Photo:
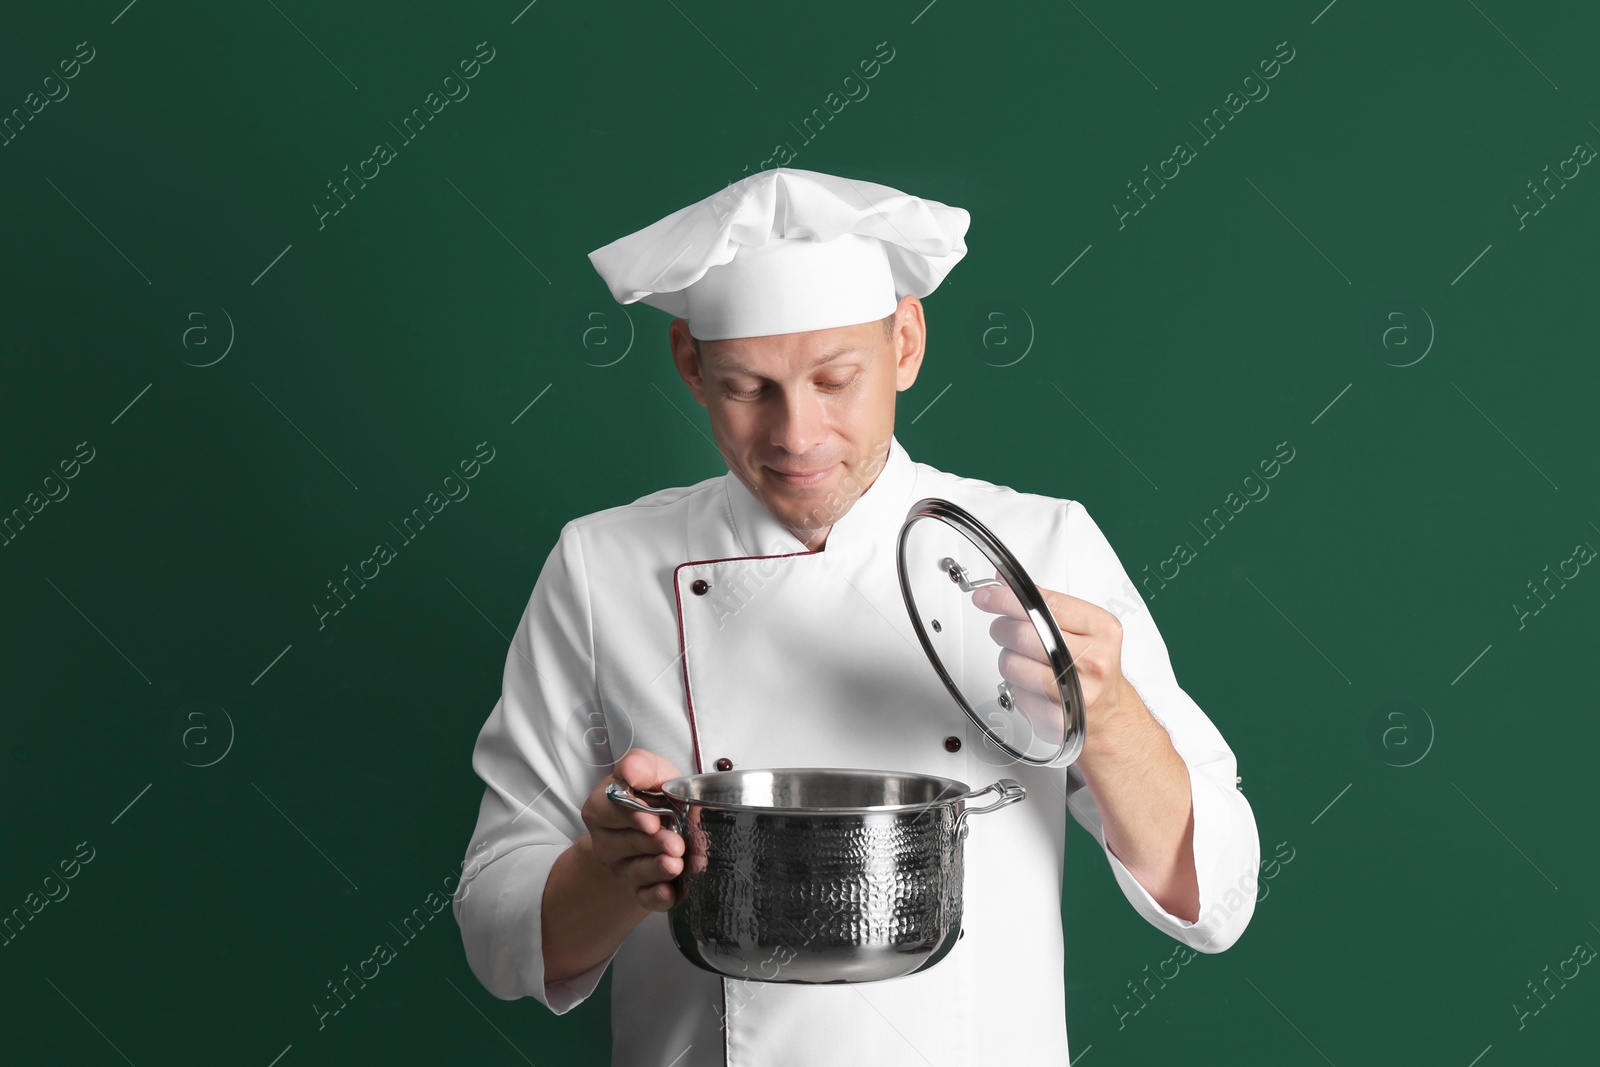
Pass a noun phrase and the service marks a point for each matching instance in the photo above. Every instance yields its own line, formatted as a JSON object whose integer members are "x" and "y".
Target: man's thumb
{"x": 643, "y": 769}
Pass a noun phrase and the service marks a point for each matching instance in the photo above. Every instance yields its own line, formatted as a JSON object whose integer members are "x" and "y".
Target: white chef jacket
{"x": 793, "y": 658}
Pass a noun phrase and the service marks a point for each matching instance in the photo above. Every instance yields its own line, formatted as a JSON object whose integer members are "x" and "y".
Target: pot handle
{"x": 621, "y": 795}
{"x": 1011, "y": 791}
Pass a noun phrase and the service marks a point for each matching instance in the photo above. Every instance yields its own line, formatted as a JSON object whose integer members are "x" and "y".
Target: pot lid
{"x": 946, "y": 558}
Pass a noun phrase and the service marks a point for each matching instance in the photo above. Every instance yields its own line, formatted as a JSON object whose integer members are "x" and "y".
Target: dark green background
{"x": 379, "y": 350}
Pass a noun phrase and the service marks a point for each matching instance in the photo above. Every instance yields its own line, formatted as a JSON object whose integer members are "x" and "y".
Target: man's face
{"x": 804, "y": 419}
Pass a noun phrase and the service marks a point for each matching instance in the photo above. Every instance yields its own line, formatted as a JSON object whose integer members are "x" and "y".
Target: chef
{"x": 754, "y": 619}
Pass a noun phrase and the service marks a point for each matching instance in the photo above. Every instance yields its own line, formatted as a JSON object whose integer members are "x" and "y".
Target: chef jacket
{"x": 693, "y": 624}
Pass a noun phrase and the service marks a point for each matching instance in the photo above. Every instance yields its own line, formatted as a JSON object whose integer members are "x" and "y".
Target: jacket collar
{"x": 873, "y": 521}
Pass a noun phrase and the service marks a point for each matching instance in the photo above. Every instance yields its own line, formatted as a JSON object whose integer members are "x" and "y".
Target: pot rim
{"x": 952, "y": 790}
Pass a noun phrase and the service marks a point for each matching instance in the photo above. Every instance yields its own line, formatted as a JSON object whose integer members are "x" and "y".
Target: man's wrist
{"x": 1121, "y": 739}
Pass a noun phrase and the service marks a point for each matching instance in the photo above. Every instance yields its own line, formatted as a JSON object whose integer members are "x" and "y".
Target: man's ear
{"x": 686, "y": 359}
{"x": 909, "y": 342}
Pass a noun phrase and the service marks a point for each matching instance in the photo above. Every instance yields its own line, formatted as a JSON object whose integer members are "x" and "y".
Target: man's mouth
{"x": 801, "y": 478}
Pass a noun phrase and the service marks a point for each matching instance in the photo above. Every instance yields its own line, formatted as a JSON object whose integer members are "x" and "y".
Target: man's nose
{"x": 799, "y": 423}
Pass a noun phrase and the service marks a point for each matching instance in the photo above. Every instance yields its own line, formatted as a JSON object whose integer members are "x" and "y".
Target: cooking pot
{"x": 821, "y": 875}
{"x": 813, "y": 875}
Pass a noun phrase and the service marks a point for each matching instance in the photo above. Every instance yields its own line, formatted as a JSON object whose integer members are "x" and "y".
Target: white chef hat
{"x": 784, "y": 251}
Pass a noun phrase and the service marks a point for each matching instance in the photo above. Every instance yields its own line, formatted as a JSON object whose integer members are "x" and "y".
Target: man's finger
{"x": 640, "y": 768}
{"x": 649, "y": 870}
{"x": 1019, "y": 636}
{"x": 999, "y": 599}
{"x": 1072, "y": 615}
{"x": 652, "y": 872}
{"x": 1028, "y": 675}
{"x": 631, "y": 841}
{"x": 657, "y": 897}
{"x": 600, "y": 810}
{"x": 1049, "y": 722}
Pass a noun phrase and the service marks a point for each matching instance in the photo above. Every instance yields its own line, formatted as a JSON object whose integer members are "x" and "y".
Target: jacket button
{"x": 724, "y": 764}
{"x": 699, "y": 587}
{"x": 952, "y": 743}
{"x": 961, "y": 935}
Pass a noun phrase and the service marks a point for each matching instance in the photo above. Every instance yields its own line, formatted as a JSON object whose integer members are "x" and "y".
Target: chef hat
{"x": 786, "y": 250}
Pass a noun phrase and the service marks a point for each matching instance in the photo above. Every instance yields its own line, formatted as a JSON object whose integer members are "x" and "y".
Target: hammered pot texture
{"x": 820, "y": 881}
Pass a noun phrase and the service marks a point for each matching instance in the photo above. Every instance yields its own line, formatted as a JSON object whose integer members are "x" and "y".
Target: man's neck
{"x": 815, "y": 540}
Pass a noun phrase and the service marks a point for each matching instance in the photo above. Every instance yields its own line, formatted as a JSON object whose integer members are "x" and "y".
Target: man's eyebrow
{"x": 829, "y": 357}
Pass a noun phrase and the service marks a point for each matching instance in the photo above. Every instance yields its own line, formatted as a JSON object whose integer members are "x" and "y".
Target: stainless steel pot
{"x": 813, "y": 875}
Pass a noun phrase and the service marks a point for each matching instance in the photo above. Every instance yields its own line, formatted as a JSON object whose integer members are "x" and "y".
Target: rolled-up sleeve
{"x": 1227, "y": 847}
{"x": 540, "y": 753}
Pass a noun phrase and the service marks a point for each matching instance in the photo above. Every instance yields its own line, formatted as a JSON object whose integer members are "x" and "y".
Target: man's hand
{"x": 1094, "y": 638}
{"x": 642, "y": 853}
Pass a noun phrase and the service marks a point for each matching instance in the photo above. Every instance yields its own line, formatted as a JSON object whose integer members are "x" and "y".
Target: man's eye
{"x": 751, "y": 394}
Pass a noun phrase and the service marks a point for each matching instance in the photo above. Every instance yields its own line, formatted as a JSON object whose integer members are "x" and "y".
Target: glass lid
{"x": 989, "y": 633}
